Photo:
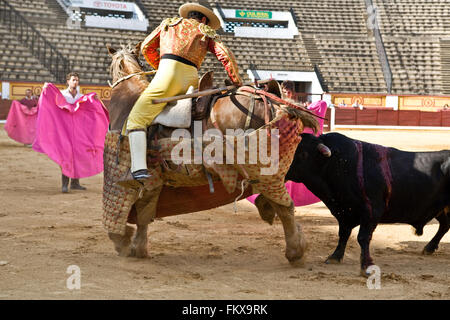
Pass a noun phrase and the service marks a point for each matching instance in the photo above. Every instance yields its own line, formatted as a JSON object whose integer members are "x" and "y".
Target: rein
{"x": 275, "y": 98}
{"x": 145, "y": 73}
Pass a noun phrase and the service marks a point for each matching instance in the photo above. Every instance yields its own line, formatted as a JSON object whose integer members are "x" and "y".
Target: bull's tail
{"x": 445, "y": 167}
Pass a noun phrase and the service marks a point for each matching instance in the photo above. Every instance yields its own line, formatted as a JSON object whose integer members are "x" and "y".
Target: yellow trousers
{"x": 173, "y": 78}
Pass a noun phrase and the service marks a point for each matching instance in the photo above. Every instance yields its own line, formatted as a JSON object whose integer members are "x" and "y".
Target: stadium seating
{"x": 413, "y": 17}
{"x": 16, "y": 61}
{"x": 38, "y": 11}
{"x": 411, "y": 32}
{"x": 85, "y": 47}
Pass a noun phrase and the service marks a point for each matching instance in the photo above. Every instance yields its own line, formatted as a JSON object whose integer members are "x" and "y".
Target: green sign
{"x": 251, "y": 14}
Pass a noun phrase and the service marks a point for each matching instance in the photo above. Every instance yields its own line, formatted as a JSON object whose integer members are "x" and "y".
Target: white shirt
{"x": 69, "y": 98}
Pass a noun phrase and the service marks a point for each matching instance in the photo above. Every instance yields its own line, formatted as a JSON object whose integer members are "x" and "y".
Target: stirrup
{"x": 141, "y": 174}
{"x": 129, "y": 182}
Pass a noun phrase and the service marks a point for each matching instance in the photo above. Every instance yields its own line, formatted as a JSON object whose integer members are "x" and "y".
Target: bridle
{"x": 145, "y": 73}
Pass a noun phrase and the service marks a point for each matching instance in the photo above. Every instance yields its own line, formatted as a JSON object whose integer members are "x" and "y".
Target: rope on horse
{"x": 244, "y": 185}
{"x": 145, "y": 73}
{"x": 273, "y": 97}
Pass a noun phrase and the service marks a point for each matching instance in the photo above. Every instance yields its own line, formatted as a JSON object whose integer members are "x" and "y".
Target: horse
{"x": 129, "y": 81}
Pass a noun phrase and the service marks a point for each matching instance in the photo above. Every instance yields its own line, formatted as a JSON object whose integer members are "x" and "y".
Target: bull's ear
{"x": 324, "y": 150}
{"x": 111, "y": 50}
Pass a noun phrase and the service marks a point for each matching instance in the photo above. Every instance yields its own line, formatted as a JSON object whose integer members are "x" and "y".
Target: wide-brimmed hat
{"x": 214, "y": 21}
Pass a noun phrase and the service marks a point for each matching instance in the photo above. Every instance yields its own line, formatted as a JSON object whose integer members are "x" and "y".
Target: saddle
{"x": 180, "y": 114}
{"x": 176, "y": 114}
{"x": 183, "y": 112}
{"x": 202, "y": 106}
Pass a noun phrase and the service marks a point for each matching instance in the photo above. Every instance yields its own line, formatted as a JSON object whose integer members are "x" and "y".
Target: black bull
{"x": 366, "y": 184}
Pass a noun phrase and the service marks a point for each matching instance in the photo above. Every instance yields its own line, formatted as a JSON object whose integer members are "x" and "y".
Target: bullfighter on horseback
{"x": 183, "y": 43}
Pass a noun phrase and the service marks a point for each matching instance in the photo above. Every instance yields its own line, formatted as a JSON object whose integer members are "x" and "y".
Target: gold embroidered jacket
{"x": 191, "y": 40}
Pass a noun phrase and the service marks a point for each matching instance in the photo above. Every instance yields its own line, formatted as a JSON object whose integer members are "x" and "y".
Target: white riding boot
{"x": 138, "y": 151}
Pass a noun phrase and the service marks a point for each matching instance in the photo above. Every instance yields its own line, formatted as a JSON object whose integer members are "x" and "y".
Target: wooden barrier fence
{"x": 389, "y": 117}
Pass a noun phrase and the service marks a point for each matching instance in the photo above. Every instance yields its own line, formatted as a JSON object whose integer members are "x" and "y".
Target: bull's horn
{"x": 324, "y": 150}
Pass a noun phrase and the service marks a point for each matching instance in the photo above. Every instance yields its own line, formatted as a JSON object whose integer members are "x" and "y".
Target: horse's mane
{"x": 123, "y": 56}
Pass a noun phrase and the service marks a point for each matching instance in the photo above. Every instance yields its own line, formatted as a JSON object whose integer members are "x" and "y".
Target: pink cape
{"x": 72, "y": 135}
{"x": 298, "y": 192}
{"x": 21, "y": 123}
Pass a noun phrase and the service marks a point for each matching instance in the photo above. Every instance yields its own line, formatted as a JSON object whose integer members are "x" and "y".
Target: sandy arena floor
{"x": 214, "y": 254}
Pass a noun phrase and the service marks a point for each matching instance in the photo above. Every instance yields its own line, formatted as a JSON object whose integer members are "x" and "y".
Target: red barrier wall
{"x": 389, "y": 117}
{"x": 351, "y": 116}
{"x": 4, "y": 108}
{"x": 446, "y": 118}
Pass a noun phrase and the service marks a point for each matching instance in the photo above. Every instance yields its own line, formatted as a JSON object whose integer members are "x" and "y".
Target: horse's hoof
{"x": 428, "y": 251}
{"x": 132, "y": 252}
{"x": 365, "y": 273}
{"x": 296, "y": 254}
{"x": 293, "y": 254}
{"x": 141, "y": 253}
{"x": 430, "y": 248}
{"x": 298, "y": 262}
{"x": 126, "y": 252}
{"x": 123, "y": 254}
{"x": 296, "y": 247}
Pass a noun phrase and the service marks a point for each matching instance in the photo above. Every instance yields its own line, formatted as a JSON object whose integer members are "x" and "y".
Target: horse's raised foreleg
{"x": 122, "y": 243}
{"x": 295, "y": 239}
{"x": 265, "y": 209}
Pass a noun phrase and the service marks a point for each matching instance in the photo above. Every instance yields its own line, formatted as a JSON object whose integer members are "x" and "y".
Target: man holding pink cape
{"x": 71, "y": 130}
{"x": 21, "y": 121}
